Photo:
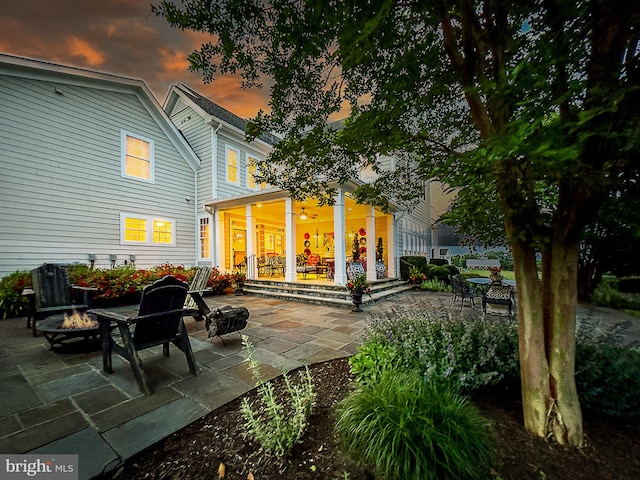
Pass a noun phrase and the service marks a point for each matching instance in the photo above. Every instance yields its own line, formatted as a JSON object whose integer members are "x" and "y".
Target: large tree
{"x": 528, "y": 105}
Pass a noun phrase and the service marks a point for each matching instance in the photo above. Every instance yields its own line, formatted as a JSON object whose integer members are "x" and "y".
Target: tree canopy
{"x": 529, "y": 106}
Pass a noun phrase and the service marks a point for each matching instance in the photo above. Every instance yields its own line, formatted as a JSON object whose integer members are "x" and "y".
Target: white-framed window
{"x": 204, "y": 233}
{"x": 232, "y": 164}
{"x": 137, "y": 157}
{"x": 147, "y": 230}
{"x": 252, "y": 171}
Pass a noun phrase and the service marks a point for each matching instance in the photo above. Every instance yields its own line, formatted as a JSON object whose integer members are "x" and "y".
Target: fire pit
{"x": 59, "y": 328}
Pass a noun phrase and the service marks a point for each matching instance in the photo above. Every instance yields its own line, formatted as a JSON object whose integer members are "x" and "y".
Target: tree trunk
{"x": 534, "y": 372}
{"x": 546, "y": 328}
{"x": 565, "y": 416}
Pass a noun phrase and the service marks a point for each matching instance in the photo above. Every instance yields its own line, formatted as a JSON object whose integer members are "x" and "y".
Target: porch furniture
{"x": 52, "y": 294}
{"x": 278, "y": 265}
{"x": 264, "y": 265}
{"x": 498, "y": 293}
{"x": 158, "y": 322}
{"x": 306, "y": 264}
{"x": 331, "y": 268}
{"x": 226, "y": 320}
{"x": 195, "y": 303}
{"x": 460, "y": 288}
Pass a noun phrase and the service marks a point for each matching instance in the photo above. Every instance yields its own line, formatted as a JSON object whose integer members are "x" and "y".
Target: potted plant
{"x": 416, "y": 277}
{"x": 381, "y": 270}
{"x": 494, "y": 274}
{"x": 239, "y": 279}
{"x": 358, "y": 286}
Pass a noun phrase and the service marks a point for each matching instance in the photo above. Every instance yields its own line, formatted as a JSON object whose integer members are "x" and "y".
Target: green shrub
{"x": 608, "y": 379}
{"x": 435, "y": 286}
{"x": 407, "y": 262}
{"x": 12, "y": 303}
{"x": 607, "y": 295}
{"x": 438, "y": 262}
{"x": 629, "y": 284}
{"x": 278, "y": 423}
{"x": 408, "y": 429}
{"x": 371, "y": 360}
{"x": 435, "y": 272}
{"x": 468, "y": 354}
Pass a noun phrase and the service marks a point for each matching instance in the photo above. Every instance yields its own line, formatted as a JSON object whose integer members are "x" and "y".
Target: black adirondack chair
{"x": 158, "y": 322}
{"x": 53, "y": 295}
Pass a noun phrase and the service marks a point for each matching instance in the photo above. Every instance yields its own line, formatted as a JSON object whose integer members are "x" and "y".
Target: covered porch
{"x": 268, "y": 235}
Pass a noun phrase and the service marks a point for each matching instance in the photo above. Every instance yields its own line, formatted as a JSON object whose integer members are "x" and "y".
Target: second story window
{"x": 232, "y": 165}
{"x": 252, "y": 171}
{"x": 137, "y": 157}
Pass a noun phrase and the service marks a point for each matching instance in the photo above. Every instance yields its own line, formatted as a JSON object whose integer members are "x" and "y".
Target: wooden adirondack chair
{"x": 158, "y": 322}
{"x": 195, "y": 303}
{"x": 53, "y": 295}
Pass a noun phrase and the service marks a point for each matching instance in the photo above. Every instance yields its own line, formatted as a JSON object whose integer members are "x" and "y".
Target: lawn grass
{"x": 507, "y": 274}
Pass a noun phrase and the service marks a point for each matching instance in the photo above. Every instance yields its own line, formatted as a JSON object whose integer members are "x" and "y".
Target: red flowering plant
{"x": 495, "y": 270}
{"x": 359, "y": 285}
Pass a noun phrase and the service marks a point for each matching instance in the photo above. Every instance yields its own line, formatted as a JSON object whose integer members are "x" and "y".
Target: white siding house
{"x": 91, "y": 168}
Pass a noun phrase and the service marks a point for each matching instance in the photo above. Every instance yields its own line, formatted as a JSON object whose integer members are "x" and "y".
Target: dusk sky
{"x": 120, "y": 37}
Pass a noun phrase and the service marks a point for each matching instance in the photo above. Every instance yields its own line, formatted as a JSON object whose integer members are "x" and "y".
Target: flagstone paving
{"x": 63, "y": 403}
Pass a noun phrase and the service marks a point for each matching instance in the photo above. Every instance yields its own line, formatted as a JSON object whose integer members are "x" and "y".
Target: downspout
{"x": 214, "y": 160}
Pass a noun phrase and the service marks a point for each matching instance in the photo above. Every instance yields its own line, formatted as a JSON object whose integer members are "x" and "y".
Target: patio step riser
{"x": 321, "y": 294}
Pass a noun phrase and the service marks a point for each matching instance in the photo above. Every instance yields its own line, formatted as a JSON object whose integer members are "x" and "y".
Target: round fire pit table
{"x": 51, "y": 328}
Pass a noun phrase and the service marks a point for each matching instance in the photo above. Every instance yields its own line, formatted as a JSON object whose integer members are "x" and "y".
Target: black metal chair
{"x": 460, "y": 288}
{"x": 53, "y": 295}
{"x": 158, "y": 322}
{"x": 498, "y": 293}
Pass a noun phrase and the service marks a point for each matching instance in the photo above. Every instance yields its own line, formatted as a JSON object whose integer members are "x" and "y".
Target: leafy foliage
{"x": 12, "y": 303}
{"x": 466, "y": 354}
{"x": 608, "y": 379}
{"x": 278, "y": 423}
{"x": 408, "y": 429}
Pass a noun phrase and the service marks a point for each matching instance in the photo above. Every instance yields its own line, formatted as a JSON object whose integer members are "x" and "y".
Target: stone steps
{"x": 322, "y": 294}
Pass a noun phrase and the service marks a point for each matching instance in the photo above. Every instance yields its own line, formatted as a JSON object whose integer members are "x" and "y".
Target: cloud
{"x": 80, "y": 48}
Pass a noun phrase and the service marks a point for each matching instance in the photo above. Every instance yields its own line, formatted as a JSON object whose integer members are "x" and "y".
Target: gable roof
{"x": 218, "y": 112}
{"x": 23, "y": 67}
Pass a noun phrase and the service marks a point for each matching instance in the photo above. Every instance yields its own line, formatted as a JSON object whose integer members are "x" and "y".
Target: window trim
{"x": 227, "y": 148}
{"x": 150, "y": 219}
{"x": 209, "y": 222}
{"x": 123, "y": 156}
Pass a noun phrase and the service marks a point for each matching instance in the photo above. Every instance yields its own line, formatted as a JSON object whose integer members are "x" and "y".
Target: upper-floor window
{"x": 137, "y": 157}
{"x": 233, "y": 158}
{"x": 143, "y": 229}
{"x": 252, "y": 171}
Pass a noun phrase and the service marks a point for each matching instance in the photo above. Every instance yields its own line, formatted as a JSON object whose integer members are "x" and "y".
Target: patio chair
{"x": 461, "y": 289}
{"x": 158, "y": 322}
{"x": 498, "y": 293}
{"x": 53, "y": 295}
{"x": 306, "y": 265}
{"x": 194, "y": 303}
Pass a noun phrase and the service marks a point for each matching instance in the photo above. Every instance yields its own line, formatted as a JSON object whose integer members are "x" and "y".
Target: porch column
{"x": 340, "y": 274}
{"x": 218, "y": 232}
{"x": 371, "y": 243}
{"x": 251, "y": 249}
{"x": 290, "y": 242}
{"x": 392, "y": 246}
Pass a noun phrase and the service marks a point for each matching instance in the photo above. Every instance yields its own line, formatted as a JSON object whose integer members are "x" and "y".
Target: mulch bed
{"x": 198, "y": 450}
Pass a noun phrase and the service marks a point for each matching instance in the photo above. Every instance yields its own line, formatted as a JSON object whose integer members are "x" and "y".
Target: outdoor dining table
{"x": 485, "y": 281}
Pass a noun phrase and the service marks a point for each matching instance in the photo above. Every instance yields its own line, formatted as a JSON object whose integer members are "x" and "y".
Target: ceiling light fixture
{"x": 303, "y": 216}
